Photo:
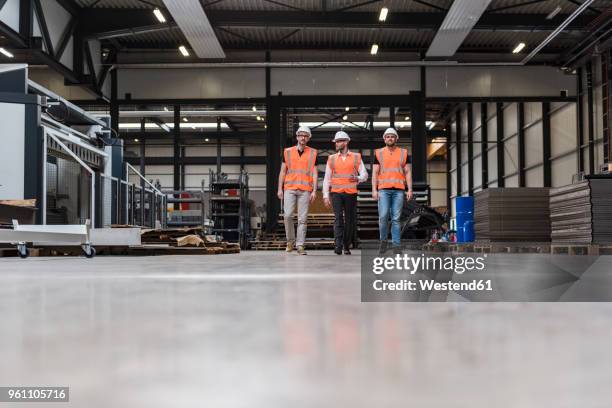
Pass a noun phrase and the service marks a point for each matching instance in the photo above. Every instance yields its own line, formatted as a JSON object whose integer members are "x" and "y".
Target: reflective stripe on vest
{"x": 340, "y": 182}
{"x": 299, "y": 171}
{"x": 391, "y": 176}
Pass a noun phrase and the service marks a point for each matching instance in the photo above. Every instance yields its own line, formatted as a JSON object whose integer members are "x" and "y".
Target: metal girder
{"x": 44, "y": 30}
{"x": 106, "y": 21}
{"x": 191, "y": 160}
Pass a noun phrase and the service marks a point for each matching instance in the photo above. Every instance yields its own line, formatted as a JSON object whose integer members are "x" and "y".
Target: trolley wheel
{"x": 89, "y": 251}
{"x": 23, "y": 251}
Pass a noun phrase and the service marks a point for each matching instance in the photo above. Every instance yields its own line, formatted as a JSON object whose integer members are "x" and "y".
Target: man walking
{"x": 391, "y": 176}
{"x": 343, "y": 172}
{"x": 297, "y": 184}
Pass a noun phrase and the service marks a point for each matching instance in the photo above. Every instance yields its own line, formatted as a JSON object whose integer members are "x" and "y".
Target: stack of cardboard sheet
{"x": 512, "y": 214}
{"x": 570, "y": 213}
{"x": 582, "y": 212}
{"x": 601, "y": 208}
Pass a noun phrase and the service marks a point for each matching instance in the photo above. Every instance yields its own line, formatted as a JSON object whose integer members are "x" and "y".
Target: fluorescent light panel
{"x": 6, "y": 53}
{"x": 193, "y": 22}
{"x": 374, "y": 49}
{"x": 207, "y": 125}
{"x": 383, "y": 14}
{"x": 160, "y": 16}
{"x": 184, "y": 51}
{"x": 553, "y": 13}
{"x": 518, "y": 48}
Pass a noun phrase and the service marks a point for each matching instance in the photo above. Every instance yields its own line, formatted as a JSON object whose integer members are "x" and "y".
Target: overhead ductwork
{"x": 193, "y": 22}
{"x": 459, "y": 21}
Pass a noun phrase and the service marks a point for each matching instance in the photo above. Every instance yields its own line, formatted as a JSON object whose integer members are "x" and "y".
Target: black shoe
{"x": 382, "y": 248}
{"x": 347, "y": 251}
{"x": 338, "y": 251}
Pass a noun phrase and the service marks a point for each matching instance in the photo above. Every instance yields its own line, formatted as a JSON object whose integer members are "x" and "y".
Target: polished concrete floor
{"x": 267, "y": 329}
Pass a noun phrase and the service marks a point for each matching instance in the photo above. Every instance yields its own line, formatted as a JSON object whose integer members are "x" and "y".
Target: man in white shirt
{"x": 343, "y": 172}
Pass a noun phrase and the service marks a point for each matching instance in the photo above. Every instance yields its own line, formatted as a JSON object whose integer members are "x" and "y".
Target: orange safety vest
{"x": 299, "y": 168}
{"x": 392, "y": 164}
{"x": 342, "y": 171}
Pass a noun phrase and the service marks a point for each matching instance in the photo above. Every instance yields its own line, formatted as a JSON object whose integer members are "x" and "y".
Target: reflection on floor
{"x": 269, "y": 329}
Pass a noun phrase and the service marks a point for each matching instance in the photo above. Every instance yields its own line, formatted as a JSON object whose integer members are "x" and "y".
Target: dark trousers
{"x": 345, "y": 212}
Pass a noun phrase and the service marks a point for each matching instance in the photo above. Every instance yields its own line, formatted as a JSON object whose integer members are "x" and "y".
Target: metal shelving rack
{"x": 187, "y": 218}
{"x": 230, "y": 215}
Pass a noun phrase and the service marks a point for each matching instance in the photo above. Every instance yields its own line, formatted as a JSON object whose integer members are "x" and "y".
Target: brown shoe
{"x": 301, "y": 250}
{"x": 290, "y": 247}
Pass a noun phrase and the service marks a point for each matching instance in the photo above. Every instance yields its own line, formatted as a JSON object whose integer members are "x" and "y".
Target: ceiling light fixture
{"x": 6, "y": 53}
{"x": 383, "y": 14}
{"x": 347, "y": 109}
{"x": 553, "y": 13}
{"x": 374, "y": 49}
{"x": 254, "y": 108}
{"x": 185, "y": 120}
{"x": 159, "y": 15}
{"x": 207, "y": 139}
{"x": 184, "y": 51}
{"x": 518, "y": 48}
{"x": 136, "y": 140}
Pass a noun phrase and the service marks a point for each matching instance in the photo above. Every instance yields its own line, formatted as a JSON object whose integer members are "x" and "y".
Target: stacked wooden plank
{"x": 570, "y": 213}
{"x": 512, "y": 214}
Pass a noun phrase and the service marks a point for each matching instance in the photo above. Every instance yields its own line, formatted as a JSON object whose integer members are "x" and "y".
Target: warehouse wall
{"x": 249, "y": 82}
{"x": 563, "y": 146}
{"x": 596, "y": 85}
{"x": 498, "y": 81}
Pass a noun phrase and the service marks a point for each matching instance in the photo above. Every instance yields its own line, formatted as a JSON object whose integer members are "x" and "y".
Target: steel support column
{"x": 520, "y": 126}
{"x": 448, "y": 168}
{"x": 419, "y": 139}
{"x": 273, "y": 163}
{"x": 458, "y": 150}
{"x": 470, "y": 149}
{"x": 142, "y": 171}
{"x": 176, "y": 167}
{"x": 580, "y": 119}
{"x": 501, "y": 182}
{"x": 114, "y": 105}
{"x": 546, "y": 140}
{"x": 590, "y": 118}
{"x": 484, "y": 139}
{"x": 218, "y": 145}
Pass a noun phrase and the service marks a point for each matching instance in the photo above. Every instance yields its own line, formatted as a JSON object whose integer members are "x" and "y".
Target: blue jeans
{"x": 390, "y": 202}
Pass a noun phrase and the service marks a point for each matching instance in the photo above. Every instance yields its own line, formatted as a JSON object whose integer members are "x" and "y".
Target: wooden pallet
{"x": 581, "y": 249}
{"x": 281, "y": 245}
{"x": 144, "y": 250}
{"x": 490, "y": 247}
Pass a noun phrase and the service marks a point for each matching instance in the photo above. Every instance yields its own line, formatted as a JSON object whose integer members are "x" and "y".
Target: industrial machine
{"x": 61, "y": 156}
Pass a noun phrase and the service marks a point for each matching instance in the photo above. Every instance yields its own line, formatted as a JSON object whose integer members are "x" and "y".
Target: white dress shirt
{"x": 363, "y": 175}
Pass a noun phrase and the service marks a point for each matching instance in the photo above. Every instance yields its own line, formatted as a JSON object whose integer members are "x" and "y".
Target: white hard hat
{"x": 304, "y": 129}
{"x": 341, "y": 135}
{"x": 391, "y": 131}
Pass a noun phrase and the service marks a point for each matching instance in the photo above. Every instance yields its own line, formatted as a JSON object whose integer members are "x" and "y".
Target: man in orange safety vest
{"x": 391, "y": 182}
{"x": 344, "y": 171}
{"x": 297, "y": 185}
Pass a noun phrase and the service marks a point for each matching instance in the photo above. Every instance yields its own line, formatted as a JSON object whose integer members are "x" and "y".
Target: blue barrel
{"x": 465, "y": 215}
{"x": 468, "y": 231}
